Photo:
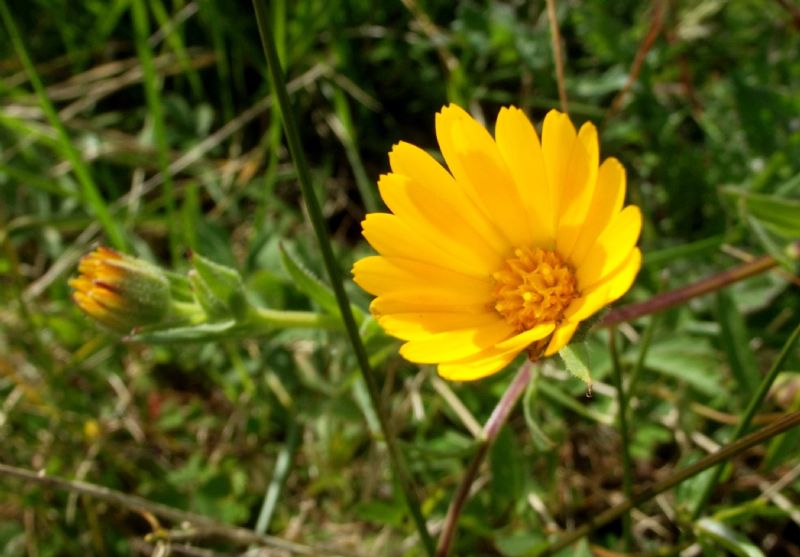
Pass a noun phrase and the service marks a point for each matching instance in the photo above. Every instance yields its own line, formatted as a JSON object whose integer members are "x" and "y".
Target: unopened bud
{"x": 120, "y": 291}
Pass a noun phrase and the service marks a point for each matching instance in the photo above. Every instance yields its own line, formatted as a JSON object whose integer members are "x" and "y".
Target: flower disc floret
{"x": 533, "y": 287}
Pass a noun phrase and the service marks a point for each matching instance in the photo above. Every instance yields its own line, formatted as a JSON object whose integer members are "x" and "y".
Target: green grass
{"x": 143, "y": 125}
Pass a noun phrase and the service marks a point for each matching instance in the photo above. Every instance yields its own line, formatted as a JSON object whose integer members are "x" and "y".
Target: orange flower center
{"x": 535, "y": 286}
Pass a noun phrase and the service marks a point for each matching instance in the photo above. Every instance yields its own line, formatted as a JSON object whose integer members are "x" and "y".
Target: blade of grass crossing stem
{"x": 744, "y": 424}
{"x": 736, "y": 343}
{"x": 622, "y": 424}
{"x": 156, "y": 110}
{"x": 175, "y": 41}
{"x": 274, "y": 134}
{"x": 644, "y": 346}
{"x": 91, "y": 194}
{"x": 282, "y": 466}
{"x": 342, "y": 124}
{"x": 318, "y": 222}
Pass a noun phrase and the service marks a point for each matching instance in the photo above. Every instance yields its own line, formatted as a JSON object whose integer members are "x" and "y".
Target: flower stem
{"x": 678, "y": 296}
{"x": 622, "y": 417}
{"x": 272, "y": 319}
{"x": 490, "y": 431}
{"x": 398, "y": 465}
{"x": 727, "y": 452}
{"x": 750, "y": 411}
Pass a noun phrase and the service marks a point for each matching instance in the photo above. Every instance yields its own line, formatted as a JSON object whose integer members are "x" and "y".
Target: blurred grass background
{"x": 149, "y": 125}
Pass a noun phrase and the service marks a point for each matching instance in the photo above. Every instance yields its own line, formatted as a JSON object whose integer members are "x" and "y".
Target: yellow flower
{"x": 508, "y": 251}
{"x": 120, "y": 291}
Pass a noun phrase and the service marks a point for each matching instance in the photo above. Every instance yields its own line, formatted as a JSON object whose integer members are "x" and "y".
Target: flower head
{"x": 120, "y": 291}
{"x": 508, "y": 251}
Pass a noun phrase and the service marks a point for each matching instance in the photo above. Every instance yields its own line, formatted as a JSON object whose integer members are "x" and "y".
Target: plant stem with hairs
{"x": 490, "y": 431}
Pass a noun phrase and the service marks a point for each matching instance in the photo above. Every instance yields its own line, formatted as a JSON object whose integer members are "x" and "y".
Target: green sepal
{"x": 219, "y": 289}
{"x": 576, "y": 359}
{"x": 219, "y": 330}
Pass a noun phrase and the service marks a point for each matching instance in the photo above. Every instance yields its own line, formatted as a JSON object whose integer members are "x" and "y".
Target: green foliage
{"x": 152, "y": 131}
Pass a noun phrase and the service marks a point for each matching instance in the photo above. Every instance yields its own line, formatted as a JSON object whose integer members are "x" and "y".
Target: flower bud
{"x": 119, "y": 291}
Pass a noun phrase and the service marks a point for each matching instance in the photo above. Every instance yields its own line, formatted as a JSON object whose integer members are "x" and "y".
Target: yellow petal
{"x": 588, "y": 136}
{"x": 393, "y": 237}
{"x": 576, "y": 194}
{"x": 520, "y": 148}
{"x": 479, "y": 366}
{"x": 475, "y": 162}
{"x": 612, "y": 247}
{"x": 561, "y": 337}
{"x": 525, "y": 339}
{"x": 411, "y": 326}
{"x": 428, "y": 301}
{"x": 558, "y": 139}
{"x": 381, "y": 275}
{"x": 609, "y": 194}
{"x": 411, "y": 161}
{"x": 454, "y": 345}
{"x": 611, "y": 288}
{"x": 434, "y": 218}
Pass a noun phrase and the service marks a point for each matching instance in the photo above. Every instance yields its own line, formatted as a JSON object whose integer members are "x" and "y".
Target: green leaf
{"x": 313, "y": 287}
{"x": 688, "y": 359}
{"x": 773, "y": 247}
{"x": 519, "y": 544}
{"x": 736, "y": 343}
{"x": 383, "y": 513}
{"x": 779, "y": 214}
{"x": 729, "y": 539}
{"x": 576, "y": 359}
{"x": 530, "y": 404}
{"x": 192, "y": 333}
{"x": 505, "y": 462}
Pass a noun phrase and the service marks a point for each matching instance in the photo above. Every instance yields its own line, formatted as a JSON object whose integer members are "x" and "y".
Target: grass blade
{"x": 317, "y": 220}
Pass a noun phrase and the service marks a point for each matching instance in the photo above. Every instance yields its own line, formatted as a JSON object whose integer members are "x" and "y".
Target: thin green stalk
{"x": 554, "y": 394}
{"x": 727, "y": 452}
{"x": 644, "y": 346}
{"x": 750, "y": 411}
{"x": 342, "y": 124}
{"x": 282, "y": 467}
{"x": 91, "y": 193}
{"x": 318, "y": 222}
{"x": 156, "y": 110}
{"x": 273, "y": 319}
{"x": 622, "y": 417}
{"x": 175, "y": 41}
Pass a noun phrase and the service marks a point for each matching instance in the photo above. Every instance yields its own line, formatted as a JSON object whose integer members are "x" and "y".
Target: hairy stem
{"x": 679, "y": 296}
{"x": 490, "y": 431}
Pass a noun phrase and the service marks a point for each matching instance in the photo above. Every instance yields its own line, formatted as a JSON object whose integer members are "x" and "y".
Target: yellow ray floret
{"x": 506, "y": 250}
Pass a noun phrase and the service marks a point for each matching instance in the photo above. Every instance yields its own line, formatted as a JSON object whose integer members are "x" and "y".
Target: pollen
{"x": 534, "y": 286}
